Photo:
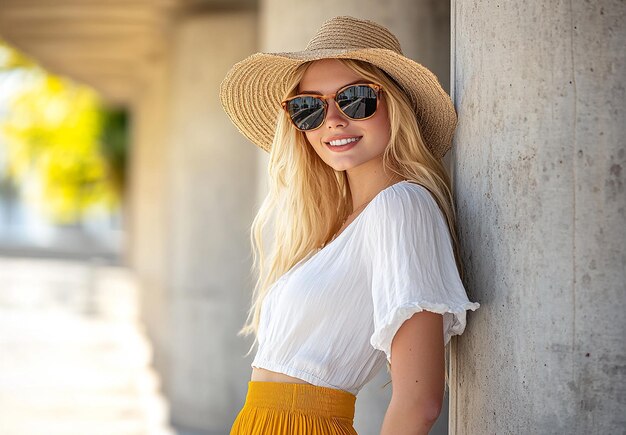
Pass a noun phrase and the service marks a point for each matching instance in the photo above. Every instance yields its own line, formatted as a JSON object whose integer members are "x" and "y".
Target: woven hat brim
{"x": 252, "y": 91}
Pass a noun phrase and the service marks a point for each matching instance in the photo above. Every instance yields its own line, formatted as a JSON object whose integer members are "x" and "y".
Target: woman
{"x": 364, "y": 263}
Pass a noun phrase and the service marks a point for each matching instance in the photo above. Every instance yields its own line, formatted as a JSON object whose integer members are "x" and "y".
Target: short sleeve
{"x": 412, "y": 264}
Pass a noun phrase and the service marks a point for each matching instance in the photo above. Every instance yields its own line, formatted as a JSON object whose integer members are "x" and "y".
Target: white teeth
{"x": 343, "y": 141}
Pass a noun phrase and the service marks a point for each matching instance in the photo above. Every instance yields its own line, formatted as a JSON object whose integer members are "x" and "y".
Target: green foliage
{"x": 113, "y": 142}
{"x": 59, "y": 134}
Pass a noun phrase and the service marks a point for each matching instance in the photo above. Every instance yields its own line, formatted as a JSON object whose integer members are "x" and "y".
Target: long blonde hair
{"x": 308, "y": 200}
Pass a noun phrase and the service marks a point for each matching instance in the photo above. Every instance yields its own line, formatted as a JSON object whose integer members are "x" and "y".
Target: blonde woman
{"x": 364, "y": 259}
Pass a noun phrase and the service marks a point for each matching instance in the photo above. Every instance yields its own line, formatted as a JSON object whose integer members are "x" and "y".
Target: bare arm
{"x": 417, "y": 375}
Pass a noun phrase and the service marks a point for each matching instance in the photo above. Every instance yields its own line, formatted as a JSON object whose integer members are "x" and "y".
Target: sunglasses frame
{"x": 377, "y": 88}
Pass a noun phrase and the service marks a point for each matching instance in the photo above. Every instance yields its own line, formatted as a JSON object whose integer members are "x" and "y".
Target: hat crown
{"x": 346, "y": 32}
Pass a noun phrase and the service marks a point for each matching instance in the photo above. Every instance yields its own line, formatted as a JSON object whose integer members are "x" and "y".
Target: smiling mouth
{"x": 341, "y": 142}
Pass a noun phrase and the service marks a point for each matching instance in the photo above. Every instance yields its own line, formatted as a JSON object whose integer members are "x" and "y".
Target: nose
{"x": 334, "y": 117}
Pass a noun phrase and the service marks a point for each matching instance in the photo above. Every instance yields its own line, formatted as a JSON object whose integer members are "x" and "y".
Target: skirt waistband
{"x": 305, "y": 398}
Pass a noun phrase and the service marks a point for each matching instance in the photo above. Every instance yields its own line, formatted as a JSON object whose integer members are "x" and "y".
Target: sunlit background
{"x": 62, "y": 162}
{"x": 74, "y": 358}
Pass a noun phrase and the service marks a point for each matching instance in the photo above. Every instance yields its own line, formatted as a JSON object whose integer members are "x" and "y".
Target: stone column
{"x": 195, "y": 187}
{"x": 146, "y": 225}
{"x": 538, "y": 158}
{"x": 210, "y": 175}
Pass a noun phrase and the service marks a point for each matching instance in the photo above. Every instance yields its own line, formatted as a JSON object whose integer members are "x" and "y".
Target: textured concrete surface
{"x": 539, "y": 170}
{"x": 73, "y": 357}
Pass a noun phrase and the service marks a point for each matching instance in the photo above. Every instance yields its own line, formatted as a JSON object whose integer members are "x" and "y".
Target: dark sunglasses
{"x": 308, "y": 111}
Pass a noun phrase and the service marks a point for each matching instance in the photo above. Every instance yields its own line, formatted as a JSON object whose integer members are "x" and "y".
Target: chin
{"x": 344, "y": 166}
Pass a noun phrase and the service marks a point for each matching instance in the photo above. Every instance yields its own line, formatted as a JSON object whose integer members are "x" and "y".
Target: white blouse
{"x": 330, "y": 319}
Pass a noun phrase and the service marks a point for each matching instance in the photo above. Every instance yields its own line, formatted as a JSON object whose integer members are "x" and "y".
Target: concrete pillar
{"x": 211, "y": 176}
{"x": 147, "y": 201}
{"x": 192, "y": 200}
{"x": 424, "y": 33}
{"x": 539, "y": 168}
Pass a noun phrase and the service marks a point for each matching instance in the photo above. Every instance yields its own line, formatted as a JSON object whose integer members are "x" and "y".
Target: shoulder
{"x": 405, "y": 199}
{"x": 406, "y": 211}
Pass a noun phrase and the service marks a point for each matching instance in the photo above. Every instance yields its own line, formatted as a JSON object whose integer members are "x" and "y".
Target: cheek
{"x": 382, "y": 127}
{"x": 380, "y": 122}
{"x": 312, "y": 138}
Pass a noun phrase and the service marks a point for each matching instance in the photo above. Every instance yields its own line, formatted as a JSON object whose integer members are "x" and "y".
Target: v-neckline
{"x": 307, "y": 258}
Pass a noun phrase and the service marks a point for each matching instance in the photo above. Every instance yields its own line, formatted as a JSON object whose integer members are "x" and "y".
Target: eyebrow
{"x": 318, "y": 92}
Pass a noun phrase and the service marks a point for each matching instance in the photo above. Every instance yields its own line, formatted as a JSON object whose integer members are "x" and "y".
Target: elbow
{"x": 420, "y": 415}
{"x": 429, "y": 411}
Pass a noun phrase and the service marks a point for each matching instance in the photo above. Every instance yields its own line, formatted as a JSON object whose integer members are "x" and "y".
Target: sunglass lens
{"x": 357, "y": 102}
{"x": 306, "y": 112}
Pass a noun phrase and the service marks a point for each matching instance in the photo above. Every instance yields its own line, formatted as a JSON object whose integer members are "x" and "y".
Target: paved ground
{"x": 73, "y": 359}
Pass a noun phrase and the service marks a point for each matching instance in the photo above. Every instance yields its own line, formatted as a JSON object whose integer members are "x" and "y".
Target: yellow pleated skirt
{"x": 280, "y": 408}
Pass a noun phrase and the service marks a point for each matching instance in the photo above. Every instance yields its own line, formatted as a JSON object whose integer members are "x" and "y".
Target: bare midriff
{"x": 263, "y": 375}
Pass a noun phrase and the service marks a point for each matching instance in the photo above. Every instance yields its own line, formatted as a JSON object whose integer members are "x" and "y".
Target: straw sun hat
{"x": 253, "y": 89}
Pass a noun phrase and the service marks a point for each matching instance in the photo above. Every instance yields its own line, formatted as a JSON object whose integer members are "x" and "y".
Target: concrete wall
{"x": 539, "y": 168}
{"x": 423, "y": 28}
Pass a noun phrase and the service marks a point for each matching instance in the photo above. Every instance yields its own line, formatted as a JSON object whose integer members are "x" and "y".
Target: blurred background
{"x": 126, "y": 198}
{"x": 74, "y": 355}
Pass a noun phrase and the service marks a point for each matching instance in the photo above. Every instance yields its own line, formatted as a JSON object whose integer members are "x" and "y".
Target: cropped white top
{"x": 331, "y": 318}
